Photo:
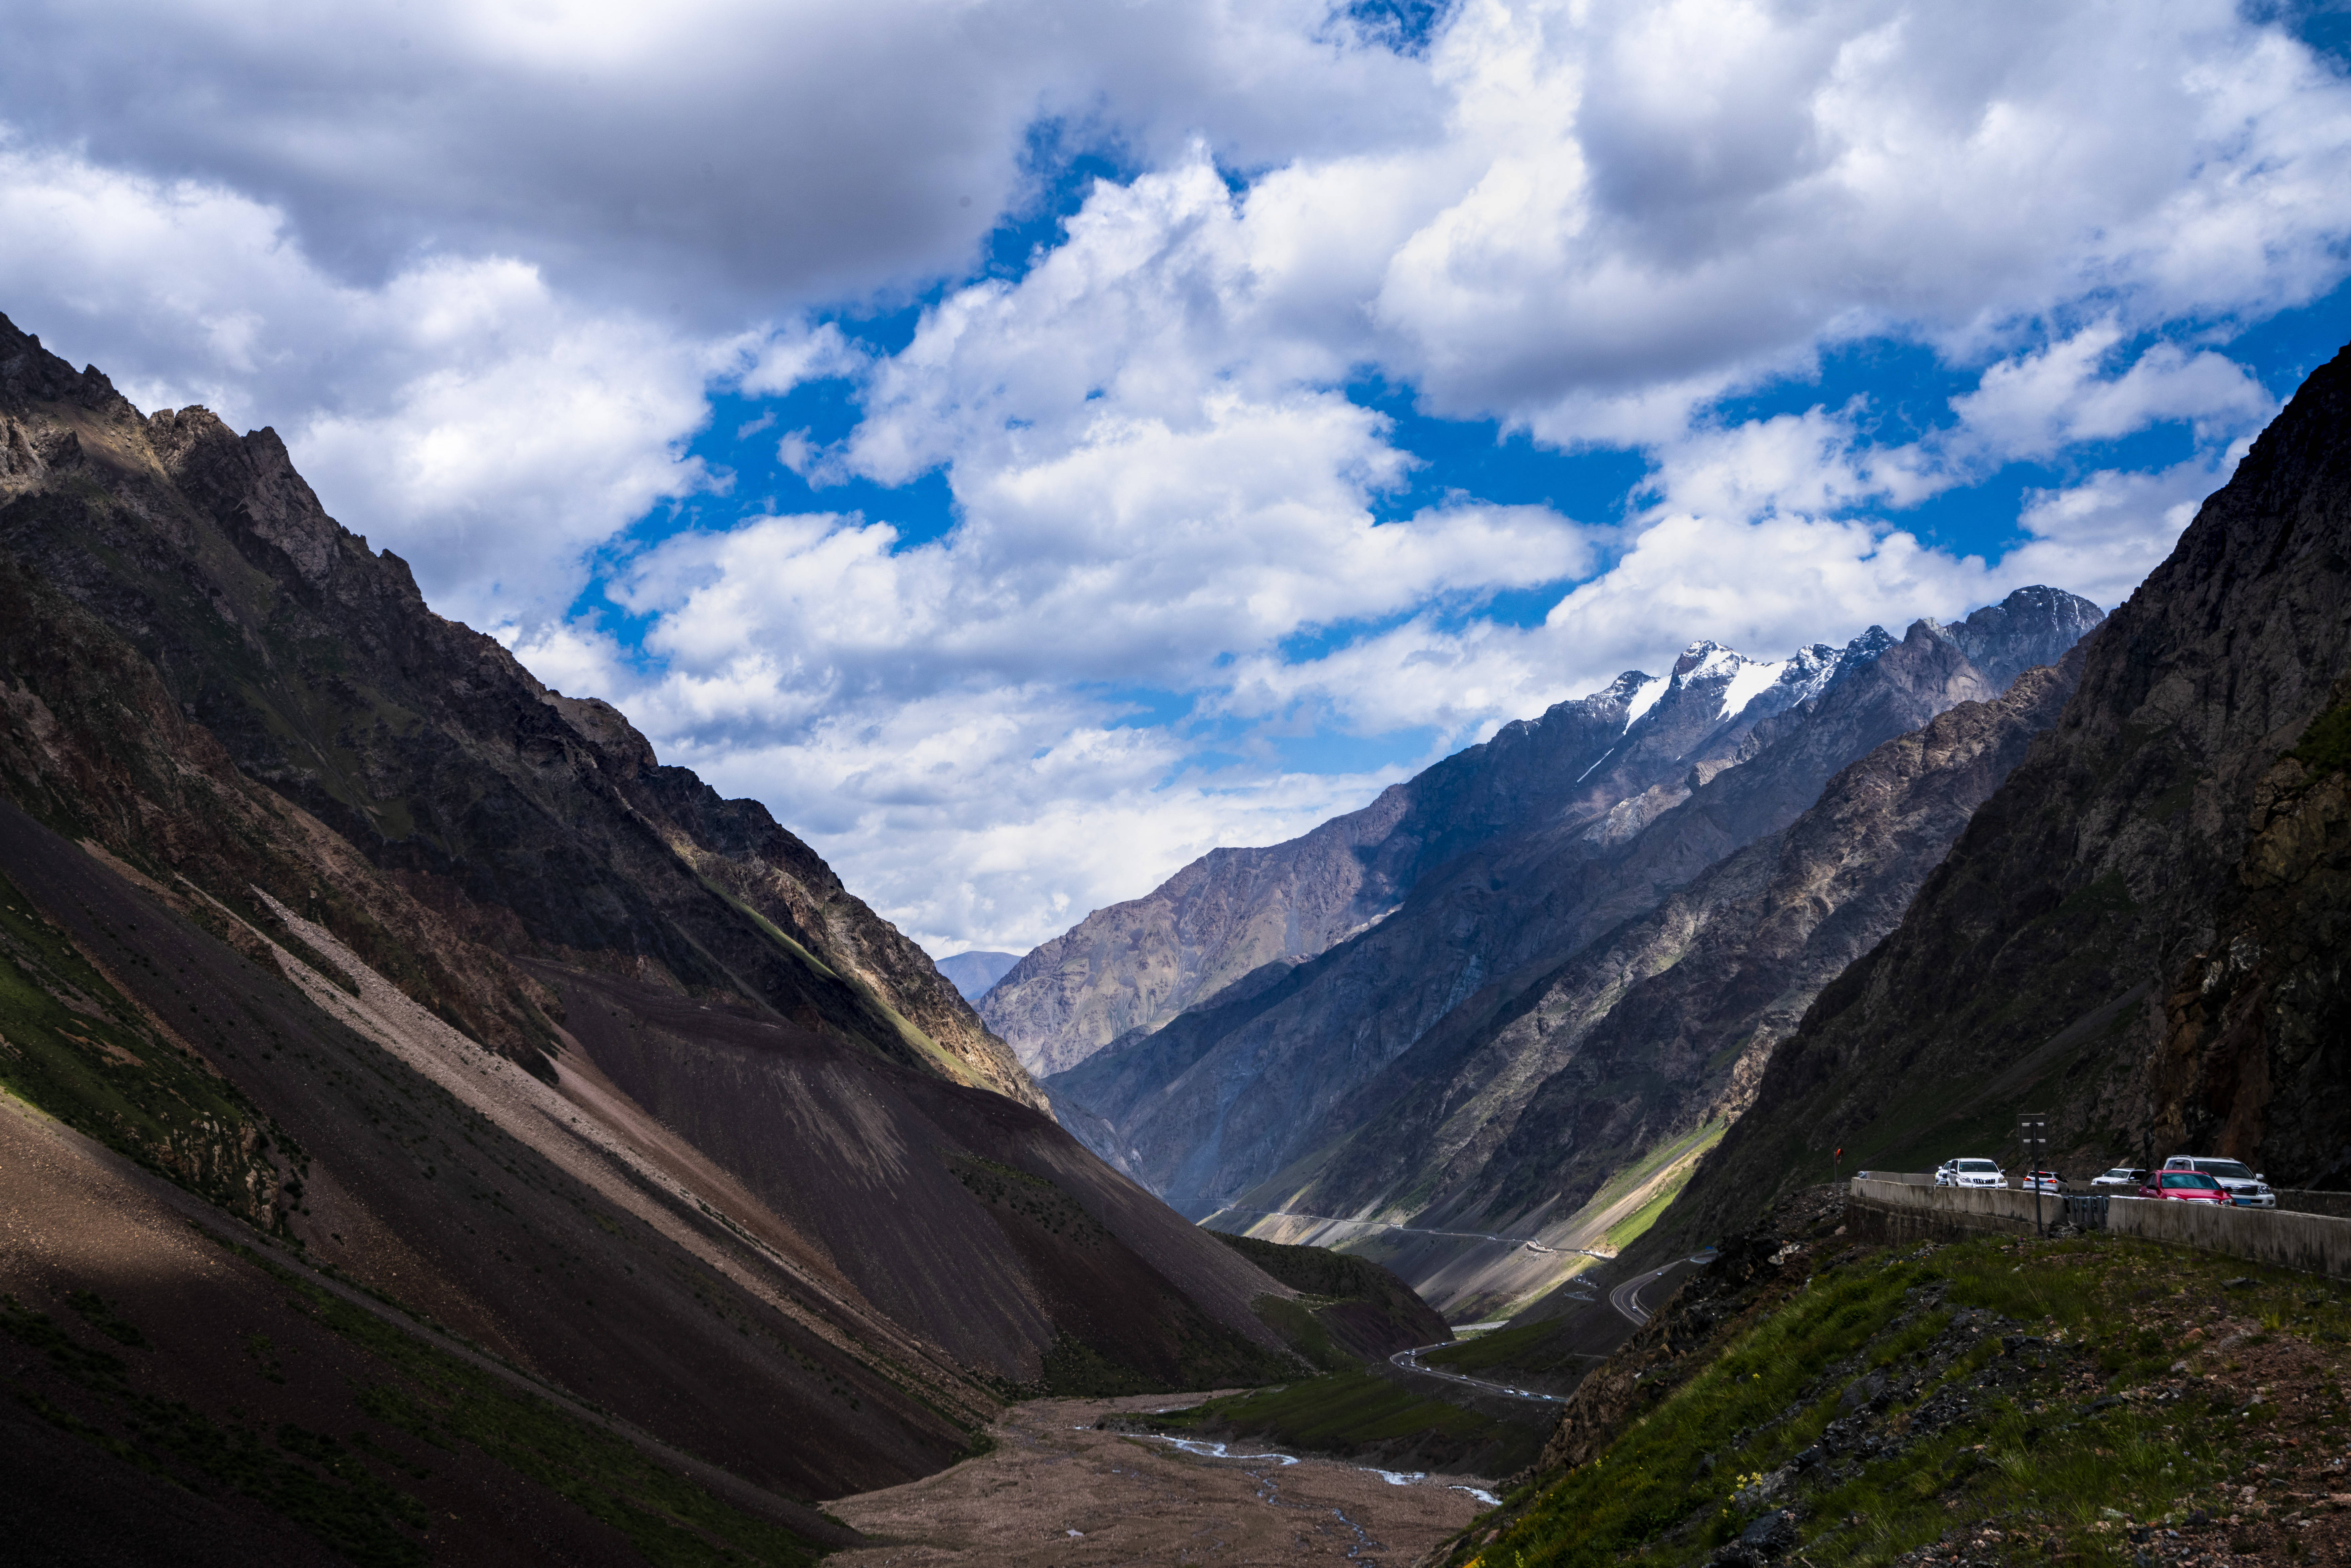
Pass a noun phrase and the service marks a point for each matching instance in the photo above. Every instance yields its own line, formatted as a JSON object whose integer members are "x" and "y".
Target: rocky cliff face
{"x": 1222, "y": 1099}
{"x": 2138, "y": 932}
{"x": 1596, "y": 768}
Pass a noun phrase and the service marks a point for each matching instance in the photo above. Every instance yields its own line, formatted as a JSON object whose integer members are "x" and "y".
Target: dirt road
{"x": 1057, "y": 1490}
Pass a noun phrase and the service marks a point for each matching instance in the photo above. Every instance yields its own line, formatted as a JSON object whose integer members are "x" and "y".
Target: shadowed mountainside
{"x": 526, "y": 821}
{"x": 319, "y": 907}
{"x": 2140, "y": 930}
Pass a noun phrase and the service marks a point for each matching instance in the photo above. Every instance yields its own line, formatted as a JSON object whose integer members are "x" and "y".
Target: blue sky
{"x": 1027, "y": 445}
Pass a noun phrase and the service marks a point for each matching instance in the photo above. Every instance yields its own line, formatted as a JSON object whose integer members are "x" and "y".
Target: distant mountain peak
{"x": 974, "y": 974}
{"x": 1870, "y": 643}
{"x": 1705, "y": 659}
{"x": 2031, "y": 626}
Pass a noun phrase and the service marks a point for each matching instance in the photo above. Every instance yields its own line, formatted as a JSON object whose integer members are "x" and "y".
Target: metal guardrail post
{"x": 2085, "y": 1211}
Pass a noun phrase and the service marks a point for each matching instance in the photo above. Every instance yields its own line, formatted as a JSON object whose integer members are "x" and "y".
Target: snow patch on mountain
{"x": 1644, "y": 698}
{"x": 1751, "y": 682}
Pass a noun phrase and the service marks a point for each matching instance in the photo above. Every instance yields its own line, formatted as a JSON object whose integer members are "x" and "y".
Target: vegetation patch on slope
{"x": 1348, "y": 1308}
{"x": 2325, "y": 745}
{"x": 73, "y": 1045}
{"x": 1358, "y": 1415}
{"x": 1538, "y": 1354}
{"x": 1636, "y": 1225}
{"x": 1208, "y": 1356}
{"x": 2094, "y": 1400}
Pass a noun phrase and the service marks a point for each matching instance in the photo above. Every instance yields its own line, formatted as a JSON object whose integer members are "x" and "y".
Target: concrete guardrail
{"x": 1895, "y": 1210}
{"x": 2314, "y": 1243}
{"x": 2337, "y": 1204}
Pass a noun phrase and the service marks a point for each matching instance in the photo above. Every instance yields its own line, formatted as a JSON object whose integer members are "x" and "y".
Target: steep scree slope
{"x": 463, "y": 1041}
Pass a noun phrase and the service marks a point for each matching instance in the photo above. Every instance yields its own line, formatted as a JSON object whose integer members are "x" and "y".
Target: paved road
{"x": 1410, "y": 1360}
{"x": 1626, "y": 1297}
{"x": 1529, "y": 1242}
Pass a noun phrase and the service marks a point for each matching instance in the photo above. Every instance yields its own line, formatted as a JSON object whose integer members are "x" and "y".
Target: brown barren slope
{"x": 301, "y": 888}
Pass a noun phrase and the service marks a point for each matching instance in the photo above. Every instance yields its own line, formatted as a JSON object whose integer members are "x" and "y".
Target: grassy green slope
{"x": 1349, "y": 1309}
{"x": 2033, "y": 1401}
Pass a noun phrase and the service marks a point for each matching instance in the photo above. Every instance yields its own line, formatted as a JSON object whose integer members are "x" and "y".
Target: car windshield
{"x": 2120, "y": 1173}
{"x": 2189, "y": 1178}
{"x": 1977, "y": 1166}
{"x": 2233, "y": 1169}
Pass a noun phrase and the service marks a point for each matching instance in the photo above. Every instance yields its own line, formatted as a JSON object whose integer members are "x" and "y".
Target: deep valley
{"x": 432, "y": 1129}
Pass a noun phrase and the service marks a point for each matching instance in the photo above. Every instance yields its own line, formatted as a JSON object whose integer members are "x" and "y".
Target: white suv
{"x": 2245, "y": 1188}
{"x": 1969, "y": 1173}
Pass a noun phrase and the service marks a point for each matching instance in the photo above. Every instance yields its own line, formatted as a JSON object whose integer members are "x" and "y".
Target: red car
{"x": 2184, "y": 1186}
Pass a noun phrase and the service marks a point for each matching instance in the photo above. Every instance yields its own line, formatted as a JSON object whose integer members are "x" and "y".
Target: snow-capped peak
{"x": 1704, "y": 659}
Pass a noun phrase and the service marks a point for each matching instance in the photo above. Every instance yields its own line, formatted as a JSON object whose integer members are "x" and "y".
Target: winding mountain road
{"x": 1409, "y": 1359}
{"x": 1626, "y": 1297}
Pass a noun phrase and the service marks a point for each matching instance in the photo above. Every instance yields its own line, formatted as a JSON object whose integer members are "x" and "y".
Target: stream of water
{"x": 1209, "y": 1450}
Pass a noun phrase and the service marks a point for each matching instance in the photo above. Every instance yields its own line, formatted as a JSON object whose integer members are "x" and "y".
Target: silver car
{"x": 2122, "y": 1179}
{"x": 1969, "y": 1173}
{"x": 2245, "y": 1188}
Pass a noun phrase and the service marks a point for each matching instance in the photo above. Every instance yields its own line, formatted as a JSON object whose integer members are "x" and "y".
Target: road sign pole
{"x": 2032, "y": 1137}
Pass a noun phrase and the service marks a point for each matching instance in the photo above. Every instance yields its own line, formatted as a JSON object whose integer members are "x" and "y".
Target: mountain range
{"x": 1543, "y": 958}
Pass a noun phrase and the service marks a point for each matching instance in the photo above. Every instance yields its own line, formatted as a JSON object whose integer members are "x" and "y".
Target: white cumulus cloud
{"x": 487, "y": 267}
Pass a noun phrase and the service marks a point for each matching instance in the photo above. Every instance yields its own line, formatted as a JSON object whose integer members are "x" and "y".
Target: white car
{"x": 2245, "y": 1188}
{"x": 2122, "y": 1179}
{"x": 1969, "y": 1173}
{"x": 2042, "y": 1181}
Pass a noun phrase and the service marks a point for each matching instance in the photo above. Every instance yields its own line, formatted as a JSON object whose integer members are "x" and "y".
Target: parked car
{"x": 2042, "y": 1181}
{"x": 2245, "y": 1188}
{"x": 2122, "y": 1178}
{"x": 1969, "y": 1173}
{"x": 2184, "y": 1186}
